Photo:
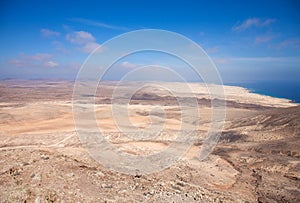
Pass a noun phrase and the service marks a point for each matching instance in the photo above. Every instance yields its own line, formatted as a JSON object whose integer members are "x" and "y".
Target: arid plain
{"x": 257, "y": 158}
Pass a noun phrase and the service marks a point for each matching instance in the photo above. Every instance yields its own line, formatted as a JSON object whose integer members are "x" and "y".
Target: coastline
{"x": 278, "y": 89}
{"x": 233, "y": 92}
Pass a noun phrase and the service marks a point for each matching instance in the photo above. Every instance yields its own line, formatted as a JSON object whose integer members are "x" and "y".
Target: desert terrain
{"x": 257, "y": 158}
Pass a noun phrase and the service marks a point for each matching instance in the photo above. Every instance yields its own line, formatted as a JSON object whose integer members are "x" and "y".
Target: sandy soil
{"x": 257, "y": 158}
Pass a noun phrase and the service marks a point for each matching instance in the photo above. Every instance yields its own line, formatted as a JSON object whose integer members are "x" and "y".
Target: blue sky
{"x": 248, "y": 40}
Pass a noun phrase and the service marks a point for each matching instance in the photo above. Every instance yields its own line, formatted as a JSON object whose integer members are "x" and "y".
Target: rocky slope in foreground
{"x": 256, "y": 160}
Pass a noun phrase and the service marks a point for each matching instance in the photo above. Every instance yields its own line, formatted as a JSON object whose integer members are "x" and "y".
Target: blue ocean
{"x": 280, "y": 89}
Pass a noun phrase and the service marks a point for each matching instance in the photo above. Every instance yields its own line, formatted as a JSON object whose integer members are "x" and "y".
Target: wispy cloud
{"x": 72, "y": 65}
{"x": 86, "y": 41}
{"x": 257, "y": 60}
{"x": 97, "y": 24}
{"x": 266, "y": 59}
{"x": 129, "y": 65}
{"x": 263, "y": 39}
{"x": 49, "y": 33}
{"x": 221, "y": 60}
{"x": 17, "y": 62}
{"x": 214, "y": 49}
{"x": 60, "y": 47}
{"x": 253, "y": 22}
{"x": 288, "y": 43}
{"x": 36, "y": 60}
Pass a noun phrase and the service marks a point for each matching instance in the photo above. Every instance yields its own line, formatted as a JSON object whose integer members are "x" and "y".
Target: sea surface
{"x": 281, "y": 89}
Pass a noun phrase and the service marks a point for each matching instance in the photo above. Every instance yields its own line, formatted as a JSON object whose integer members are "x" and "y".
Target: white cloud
{"x": 51, "y": 64}
{"x": 86, "y": 41}
{"x": 91, "y": 46}
{"x": 36, "y": 60}
{"x": 49, "y": 33}
{"x": 80, "y": 37}
{"x": 253, "y": 22}
{"x": 127, "y": 64}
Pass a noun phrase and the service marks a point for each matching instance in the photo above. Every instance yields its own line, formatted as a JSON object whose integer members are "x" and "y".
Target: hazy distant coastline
{"x": 233, "y": 92}
{"x": 279, "y": 89}
{"x": 288, "y": 90}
